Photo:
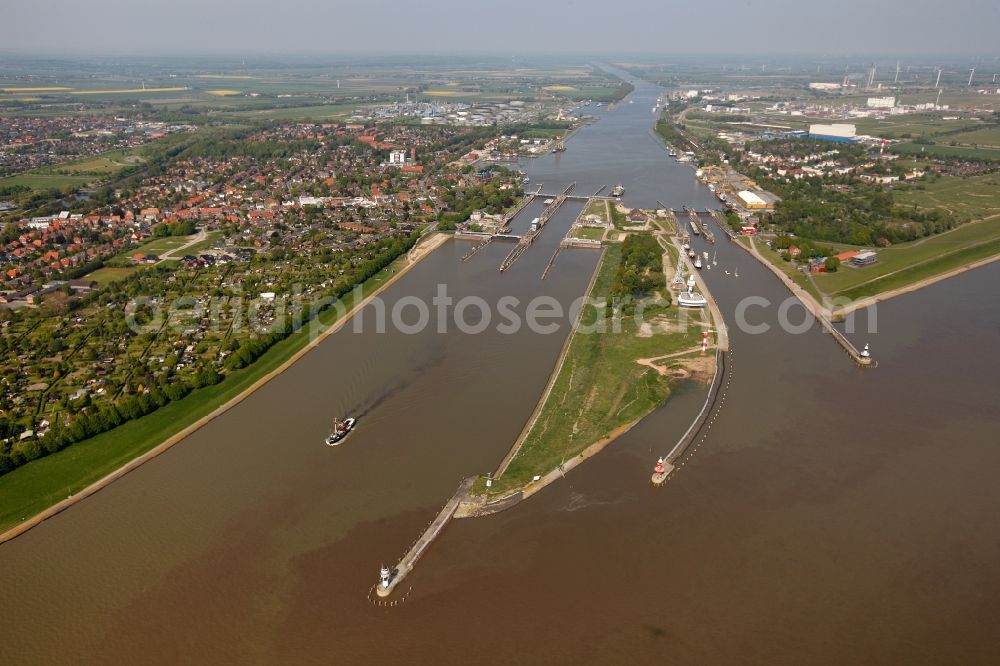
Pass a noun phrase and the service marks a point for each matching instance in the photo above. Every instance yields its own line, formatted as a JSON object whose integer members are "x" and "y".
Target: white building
{"x": 397, "y": 157}
{"x": 881, "y": 102}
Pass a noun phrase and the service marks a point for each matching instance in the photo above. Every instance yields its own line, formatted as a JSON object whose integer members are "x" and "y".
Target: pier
{"x": 723, "y": 368}
{"x": 476, "y": 248}
{"x": 529, "y": 238}
{"x": 405, "y": 565}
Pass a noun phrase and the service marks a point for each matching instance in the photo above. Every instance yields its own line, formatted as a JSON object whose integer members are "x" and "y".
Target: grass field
{"x": 903, "y": 264}
{"x": 318, "y": 112}
{"x": 127, "y": 91}
{"x": 210, "y": 239}
{"x": 974, "y": 196}
{"x": 38, "y": 485}
{"x": 41, "y": 181}
{"x": 592, "y": 233}
{"x": 108, "y": 274}
{"x": 599, "y": 386}
{"x": 961, "y": 152}
{"x": 987, "y": 136}
{"x": 162, "y": 245}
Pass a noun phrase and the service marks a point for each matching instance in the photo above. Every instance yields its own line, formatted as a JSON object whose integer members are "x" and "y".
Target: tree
{"x": 831, "y": 264}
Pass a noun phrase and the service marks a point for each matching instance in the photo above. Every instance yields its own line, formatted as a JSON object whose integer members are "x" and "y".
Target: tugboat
{"x": 340, "y": 430}
{"x": 618, "y": 191}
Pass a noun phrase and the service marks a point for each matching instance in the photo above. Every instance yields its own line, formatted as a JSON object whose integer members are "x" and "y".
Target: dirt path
{"x": 651, "y": 362}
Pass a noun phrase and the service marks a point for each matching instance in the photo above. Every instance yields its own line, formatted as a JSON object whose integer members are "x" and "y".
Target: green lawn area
{"x": 598, "y": 207}
{"x": 40, "y": 181}
{"x": 107, "y": 163}
{"x": 37, "y": 485}
{"x": 935, "y": 266}
{"x": 108, "y": 274}
{"x": 211, "y": 238}
{"x": 599, "y": 386}
{"x": 591, "y": 233}
{"x": 161, "y": 245}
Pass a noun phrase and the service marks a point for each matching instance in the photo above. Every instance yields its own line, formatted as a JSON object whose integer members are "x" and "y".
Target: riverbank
{"x": 37, "y": 491}
{"x": 818, "y": 310}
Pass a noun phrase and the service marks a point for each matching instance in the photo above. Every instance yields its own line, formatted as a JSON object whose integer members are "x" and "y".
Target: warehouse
{"x": 839, "y": 132}
{"x": 751, "y": 201}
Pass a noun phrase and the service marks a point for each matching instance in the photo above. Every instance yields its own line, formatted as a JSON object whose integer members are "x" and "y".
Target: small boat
{"x": 618, "y": 191}
{"x": 339, "y": 431}
{"x": 686, "y": 246}
{"x": 691, "y": 254}
{"x": 697, "y": 262}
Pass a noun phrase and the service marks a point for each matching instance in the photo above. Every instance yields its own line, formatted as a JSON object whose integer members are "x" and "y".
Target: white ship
{"x": 691, "y": 298}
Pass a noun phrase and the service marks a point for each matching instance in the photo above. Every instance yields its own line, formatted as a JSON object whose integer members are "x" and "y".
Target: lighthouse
{"x": 865, "y": 353}
{"x": 384, "y": 577}
{"x": 704, "y": 343}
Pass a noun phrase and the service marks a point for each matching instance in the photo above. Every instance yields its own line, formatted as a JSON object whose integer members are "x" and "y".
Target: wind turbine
{"x": 938, "y": 82}
{"x": 972, "y": 73}
{"x": 896, "y": 80}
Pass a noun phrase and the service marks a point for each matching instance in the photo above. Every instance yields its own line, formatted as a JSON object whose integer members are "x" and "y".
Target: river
{"x": 834, "y": 515}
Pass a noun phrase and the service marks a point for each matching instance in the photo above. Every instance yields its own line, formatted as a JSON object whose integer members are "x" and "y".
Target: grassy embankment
{"x": 39, "y": 484}
{"x": 599, "y": 386}
{"x": 898, "y": 265}
{"x": 975, "y": 198}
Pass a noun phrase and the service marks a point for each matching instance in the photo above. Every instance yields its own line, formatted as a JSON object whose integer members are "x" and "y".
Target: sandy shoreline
{"x": 424, "y": 248}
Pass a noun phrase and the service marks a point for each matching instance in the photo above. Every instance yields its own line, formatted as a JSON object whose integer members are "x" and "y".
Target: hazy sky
{"x": 828, "y": 27}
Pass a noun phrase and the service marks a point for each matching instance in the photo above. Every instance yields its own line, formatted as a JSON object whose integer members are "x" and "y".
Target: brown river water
{"x": 833, "y": 515}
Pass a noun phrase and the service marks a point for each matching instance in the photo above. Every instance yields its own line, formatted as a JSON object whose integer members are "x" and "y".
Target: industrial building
{"x": 751, "y": 200}
{"x": 838, "y": 132}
